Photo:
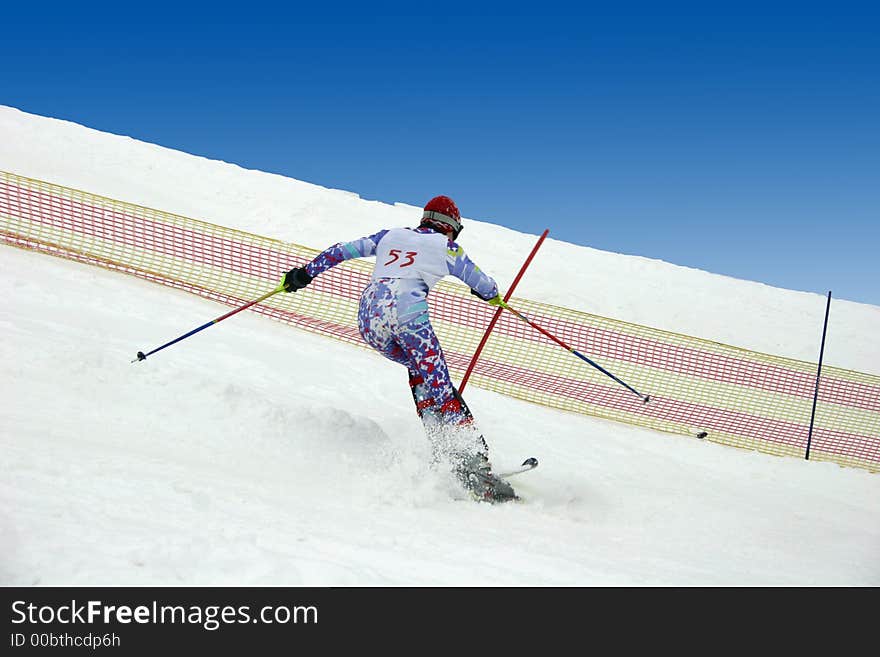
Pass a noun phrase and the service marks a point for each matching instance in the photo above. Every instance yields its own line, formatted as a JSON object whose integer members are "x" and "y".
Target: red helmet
{"x": 442, "y": 215}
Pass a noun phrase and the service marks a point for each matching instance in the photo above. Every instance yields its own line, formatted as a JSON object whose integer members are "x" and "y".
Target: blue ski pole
{"x": 503, "y": 304}
{"x": 142, "y": 356}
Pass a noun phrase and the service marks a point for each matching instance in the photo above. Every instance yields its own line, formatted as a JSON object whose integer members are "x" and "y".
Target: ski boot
{"x": 475, "y": 474}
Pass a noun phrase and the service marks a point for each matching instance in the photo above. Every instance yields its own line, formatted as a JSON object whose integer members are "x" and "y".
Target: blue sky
{"x": 742, "y": 139}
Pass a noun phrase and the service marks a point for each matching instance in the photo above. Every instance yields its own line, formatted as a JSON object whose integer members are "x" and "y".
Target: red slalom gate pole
{"x": 507, "y": 296}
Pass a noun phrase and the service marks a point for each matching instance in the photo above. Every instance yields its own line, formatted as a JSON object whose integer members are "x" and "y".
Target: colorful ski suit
{"x": 393, "y": 314}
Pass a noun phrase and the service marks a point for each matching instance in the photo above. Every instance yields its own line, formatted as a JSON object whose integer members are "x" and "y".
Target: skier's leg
{"x": 421, "y": 394}
{"x": 425, "y": 404}
{"x": 469, "y": 417}
{"x": 429, "y": 372}
{"x": 449, "y": 423}
{"x": 376, "y": 322}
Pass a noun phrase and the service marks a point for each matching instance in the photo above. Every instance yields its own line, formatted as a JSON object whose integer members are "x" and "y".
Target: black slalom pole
{"x": 818, "y": 374}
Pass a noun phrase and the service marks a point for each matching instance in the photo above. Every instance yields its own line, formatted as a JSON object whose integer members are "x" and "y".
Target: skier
{"x": 393, "y": 319}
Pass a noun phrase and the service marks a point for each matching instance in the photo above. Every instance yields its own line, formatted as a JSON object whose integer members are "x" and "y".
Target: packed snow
{"x": 257, "y": 454}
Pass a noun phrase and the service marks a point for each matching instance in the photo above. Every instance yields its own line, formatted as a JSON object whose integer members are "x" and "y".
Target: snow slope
{"x": 219, "y": 461}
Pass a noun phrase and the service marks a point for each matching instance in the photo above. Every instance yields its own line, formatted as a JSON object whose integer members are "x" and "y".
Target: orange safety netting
{"x": 738, "y": 397}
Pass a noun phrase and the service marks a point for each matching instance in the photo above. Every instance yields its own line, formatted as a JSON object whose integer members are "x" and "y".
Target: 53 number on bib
{"x": 409, "y": 257}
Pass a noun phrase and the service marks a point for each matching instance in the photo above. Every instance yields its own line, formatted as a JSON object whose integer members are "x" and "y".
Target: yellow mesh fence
{"x": 733, "y": 396}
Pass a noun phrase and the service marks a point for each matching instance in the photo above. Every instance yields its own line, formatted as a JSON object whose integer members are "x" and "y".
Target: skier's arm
{"x": 298, "y": 277}
{"x": 464, "y": 269}
{"x": 332, "y": 256}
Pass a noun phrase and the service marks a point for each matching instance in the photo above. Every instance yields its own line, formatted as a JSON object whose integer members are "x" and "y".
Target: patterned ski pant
{"x": 401, "y": 331}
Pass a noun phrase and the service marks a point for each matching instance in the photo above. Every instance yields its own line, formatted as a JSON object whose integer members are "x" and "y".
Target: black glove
{"x": 493, "y": 301}
{"x": 296, "y": 279}
{"x": 479, "y": 296}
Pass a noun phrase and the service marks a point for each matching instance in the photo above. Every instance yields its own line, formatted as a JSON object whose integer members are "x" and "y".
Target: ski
{"x": 529, "y": 464}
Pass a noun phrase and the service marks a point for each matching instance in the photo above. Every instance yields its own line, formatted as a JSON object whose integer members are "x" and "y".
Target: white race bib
{"x": 404, "y": 253}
